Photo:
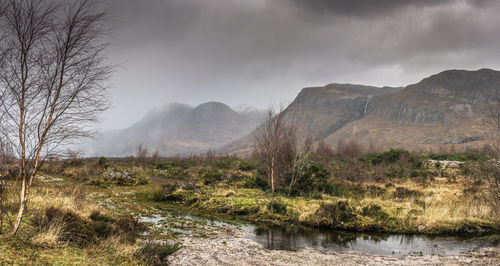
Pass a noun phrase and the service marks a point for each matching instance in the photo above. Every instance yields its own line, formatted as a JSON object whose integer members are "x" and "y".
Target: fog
{"x": 262, "y": 52}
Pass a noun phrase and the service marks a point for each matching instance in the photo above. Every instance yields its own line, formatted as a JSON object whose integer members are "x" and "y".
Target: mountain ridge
{"x": 179, "y": 129}
{"x": 447, "y": 108}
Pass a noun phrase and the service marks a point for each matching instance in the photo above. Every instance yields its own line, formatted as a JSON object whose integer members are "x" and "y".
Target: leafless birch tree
{"x": 52, "y": 79}
{"x": 283, "y": 143}
{"x": 142, "y": 153}
{"x": 274, "y": 145}
{"x": 303, "y": 124}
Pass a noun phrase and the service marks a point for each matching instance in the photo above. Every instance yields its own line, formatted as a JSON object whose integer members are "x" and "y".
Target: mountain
{"x": 179, "y": 129}
{"x": 448, "y": 108}
{"x": 331, "y": 107}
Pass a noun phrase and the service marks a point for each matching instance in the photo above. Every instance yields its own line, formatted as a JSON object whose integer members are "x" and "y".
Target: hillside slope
{"x": 448, "y": 108}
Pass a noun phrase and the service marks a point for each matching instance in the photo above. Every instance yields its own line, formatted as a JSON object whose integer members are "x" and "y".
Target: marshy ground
{"x": 121, "y": 211}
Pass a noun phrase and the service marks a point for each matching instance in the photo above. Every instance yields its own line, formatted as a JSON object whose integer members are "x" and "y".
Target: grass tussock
{"x": 63, "y": 226}
{"x": 153, "y": 253}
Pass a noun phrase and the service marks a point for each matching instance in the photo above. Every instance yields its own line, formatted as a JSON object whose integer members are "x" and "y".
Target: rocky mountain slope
{"x": 179, "y": 129}
{"x": 449, "y": 108}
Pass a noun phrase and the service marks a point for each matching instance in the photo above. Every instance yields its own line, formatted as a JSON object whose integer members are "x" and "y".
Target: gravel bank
{"x": 228, "y": 246}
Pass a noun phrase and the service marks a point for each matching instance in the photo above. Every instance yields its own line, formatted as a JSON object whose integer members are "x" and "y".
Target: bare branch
{"x": 52, "y": 78}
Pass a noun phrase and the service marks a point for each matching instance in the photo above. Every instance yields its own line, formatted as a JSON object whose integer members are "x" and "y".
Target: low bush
{"x": 97, "y": 216}
{"x": 248, "y": 165}
{"x": 212, "y": 177}
{"x": 257, "y": 181}
{"x": 375, "y": 191}
{"x": 163, "y": 194}
{"x": 164, "y": 166}
{"x": 79, "y": 173}
{"x": 171, "y": 194}
{"x": 460, "y": 156}
{"x": 335, "y": 215}
{"x": 157, "y": 253}
{"x": 311, "y": 177}
{"x": 225, "y": 163}
{"x": 404, "y": 193}
{"x": 67, "y": 226}
{"x": 73, "y": 163}
{"x": 74, "y": 229}
{"x": 129, "y": 228}
{"x": 391, "y": 156}
{"x": 103, "y": 162}
{"x": 276, "y": 206}
{"x": 345, "y": 190}
{"x": 374, "y": 211}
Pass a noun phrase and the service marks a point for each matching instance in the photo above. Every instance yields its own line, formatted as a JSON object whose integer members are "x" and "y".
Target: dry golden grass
{"x": 70, "y": 197}
{"x": 46, "y": 244}
{"x": 441, "y": 203}
{"x": 50, "y": 236}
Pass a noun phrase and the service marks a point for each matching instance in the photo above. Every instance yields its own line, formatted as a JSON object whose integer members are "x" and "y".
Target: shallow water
{"x": 296, "y": 238}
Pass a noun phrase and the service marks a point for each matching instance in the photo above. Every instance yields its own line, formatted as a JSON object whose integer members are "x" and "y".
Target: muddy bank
{"x": 228, "y": 246}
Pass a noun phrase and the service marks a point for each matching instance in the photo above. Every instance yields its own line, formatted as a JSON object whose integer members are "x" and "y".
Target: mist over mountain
{"x": 180, "y": 129}
{"x": 448, "y": 108}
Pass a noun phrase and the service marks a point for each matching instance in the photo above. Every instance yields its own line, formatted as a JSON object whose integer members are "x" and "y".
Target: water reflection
{"x": 292, "y": 238}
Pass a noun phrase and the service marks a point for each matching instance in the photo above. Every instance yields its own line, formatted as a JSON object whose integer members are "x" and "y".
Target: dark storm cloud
{"x": 362, "y": 7}
{"x": 263, "y": 51}
{"x": 371, "y": 8}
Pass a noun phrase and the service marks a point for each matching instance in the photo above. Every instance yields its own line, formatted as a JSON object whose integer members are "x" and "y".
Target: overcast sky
{"x": 262, "y": 52}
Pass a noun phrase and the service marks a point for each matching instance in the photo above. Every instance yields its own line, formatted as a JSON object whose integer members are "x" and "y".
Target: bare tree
{"x": 155, "y": 156}
{"x": 303, "y": 127}
{"x": 284, "y": 142}
{"x": 142, "y": 153}
{"x": 71, "y": 154}
{"x": 324, "y": 150}
{"x": 52, "y": 77}
{"x": 274, "y": 145}
{"x": 349, "y": 149}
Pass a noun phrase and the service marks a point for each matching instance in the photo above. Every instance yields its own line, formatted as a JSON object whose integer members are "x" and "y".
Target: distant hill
{"x": 448, "y": 108}
{"x": 179, "y": 129}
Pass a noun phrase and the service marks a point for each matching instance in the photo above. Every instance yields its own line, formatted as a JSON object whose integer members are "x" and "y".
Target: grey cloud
{"x": 364, "y": 8}
{"x": 263, "y": 51}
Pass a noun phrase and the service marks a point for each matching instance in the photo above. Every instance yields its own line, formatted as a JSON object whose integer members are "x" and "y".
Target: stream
{"x": 279, "y": 238}
{"x": 296, "y": 238}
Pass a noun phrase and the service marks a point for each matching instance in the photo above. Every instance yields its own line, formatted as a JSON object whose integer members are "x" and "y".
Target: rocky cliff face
{"x": 446, "y": 108}
{"x": 333, "y": 106}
